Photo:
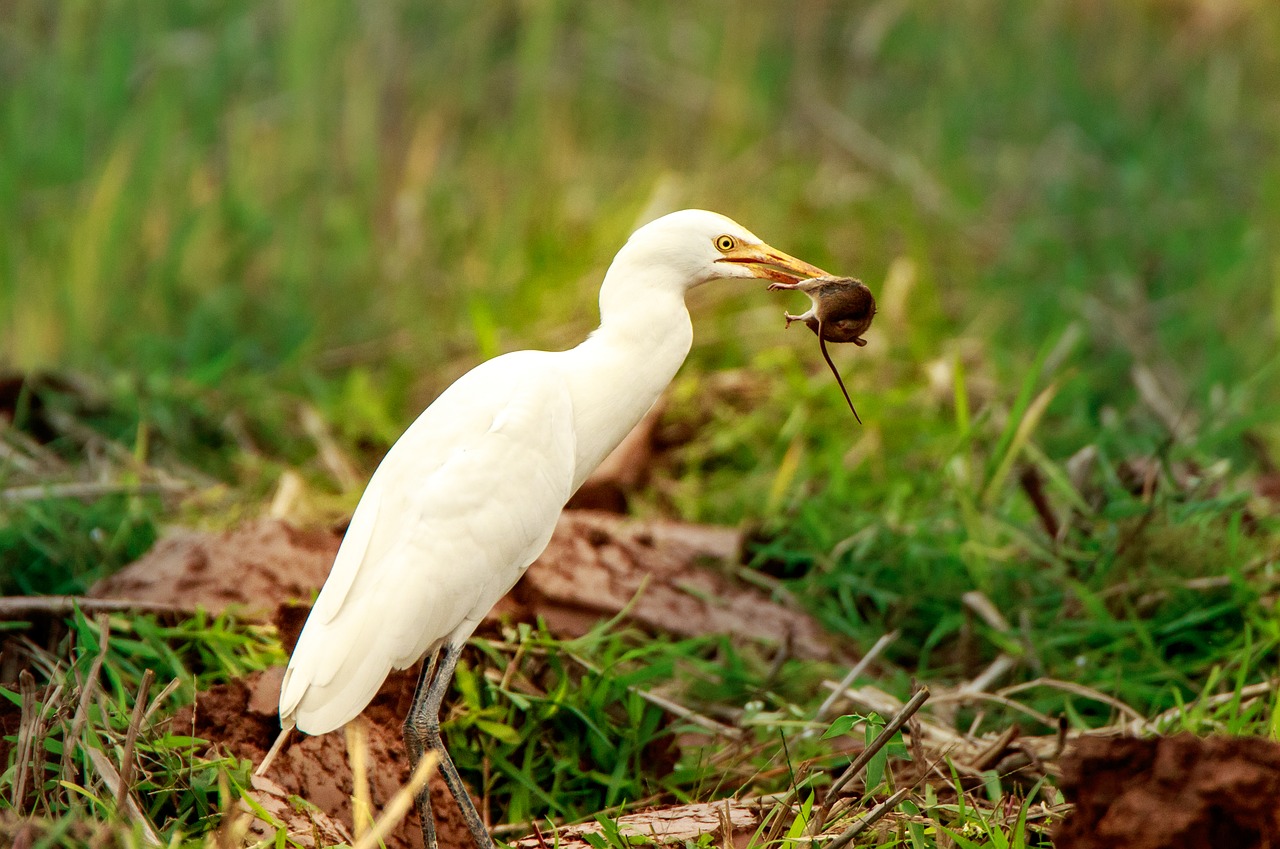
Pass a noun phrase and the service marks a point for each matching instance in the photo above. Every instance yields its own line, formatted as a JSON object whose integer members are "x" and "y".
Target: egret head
{"x": 698, "y": 246}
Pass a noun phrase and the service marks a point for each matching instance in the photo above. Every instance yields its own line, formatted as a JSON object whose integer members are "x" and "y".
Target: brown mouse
{"x": 841, "y": 312}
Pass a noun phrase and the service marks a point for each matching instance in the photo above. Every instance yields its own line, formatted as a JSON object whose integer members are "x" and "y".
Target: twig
{"x": 891, "y": 727}
{"x": 358, "y": 756}
{"x": 940, "y": 736}
{"x": 881, "y": 740}
{"x": 1032, "y": 484}
{"x": 332, "y": 456}
{"x": 87, "y": 436}
{"x": 88, "y": 490}
{"x": 14, "y": 458}
{"x": 131, "y": 738}
{"x": 1178, "y": 420}
{"x": 966, "y": 696}
{"x": 871, "y": 818}
{"x": 16, "y": 607}
{"x": 880, "y": 645}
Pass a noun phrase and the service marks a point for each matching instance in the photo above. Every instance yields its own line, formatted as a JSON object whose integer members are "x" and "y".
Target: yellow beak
{"x": 769, "y": 263}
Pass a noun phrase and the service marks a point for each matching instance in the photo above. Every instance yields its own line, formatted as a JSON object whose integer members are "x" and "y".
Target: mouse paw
{"x": 773, "y": 287}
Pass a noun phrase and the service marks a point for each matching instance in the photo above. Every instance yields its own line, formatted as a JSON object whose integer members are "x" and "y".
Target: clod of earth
{"x": 1181, "y": 792}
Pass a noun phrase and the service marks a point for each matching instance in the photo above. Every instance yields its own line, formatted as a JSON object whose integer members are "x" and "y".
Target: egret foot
{"x": 422, "y": 734}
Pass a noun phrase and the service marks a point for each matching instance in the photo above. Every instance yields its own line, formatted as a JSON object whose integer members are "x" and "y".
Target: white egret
{"x": 468, "y": 497}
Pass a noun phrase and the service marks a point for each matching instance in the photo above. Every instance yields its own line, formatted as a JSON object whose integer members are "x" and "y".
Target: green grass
{"x": 221, "y": 214}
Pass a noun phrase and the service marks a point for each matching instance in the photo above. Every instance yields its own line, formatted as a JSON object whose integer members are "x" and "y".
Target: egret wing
{"x": 461, "y": 505}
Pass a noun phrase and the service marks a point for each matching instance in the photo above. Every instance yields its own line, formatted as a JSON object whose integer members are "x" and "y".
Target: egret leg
{"x": 413, "y": 742}
{"x": 424, "y": 718}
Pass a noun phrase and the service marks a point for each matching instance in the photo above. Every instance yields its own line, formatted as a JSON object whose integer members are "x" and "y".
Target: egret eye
{"x": 726, "y": 243}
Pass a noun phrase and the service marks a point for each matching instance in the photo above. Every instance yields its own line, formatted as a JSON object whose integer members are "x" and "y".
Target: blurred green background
{"x": 223, "y": 213}
{"x": 205, "y": 188}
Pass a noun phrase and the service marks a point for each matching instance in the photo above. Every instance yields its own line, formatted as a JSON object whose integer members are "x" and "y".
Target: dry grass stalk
{"x": 160, "y": 699}
{"x": 400, "y": 803}
{"x": 861, "y": 666}
{"x": 87, "y": 689}
{"x": 1076, "y": 689}
{"x": 989, "y": 756}
{"x": 28, "y": 733}
{"x": 115, "y": 785}
{"x": 358, "y": 755}
{"x": 986, "y": 609}
{"x": 131, "y": 737}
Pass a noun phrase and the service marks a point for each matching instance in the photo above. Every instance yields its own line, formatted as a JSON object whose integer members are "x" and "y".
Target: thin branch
{"x": 18, "y": 607}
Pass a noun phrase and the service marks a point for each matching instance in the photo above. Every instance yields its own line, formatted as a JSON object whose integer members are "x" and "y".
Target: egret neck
{"x": 619, "y": 371}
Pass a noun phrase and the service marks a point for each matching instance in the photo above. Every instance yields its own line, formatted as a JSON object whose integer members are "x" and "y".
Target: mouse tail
{"x": 822, "y": 343}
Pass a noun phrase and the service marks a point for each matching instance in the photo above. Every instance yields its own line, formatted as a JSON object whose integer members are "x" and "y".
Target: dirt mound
{"x": 254, "y": 567}
{"x": 596, "y": 564}
{"x": 593, "y": 568}
{"x": 240, "y": 719}
{"x": 1179, "y": 792}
